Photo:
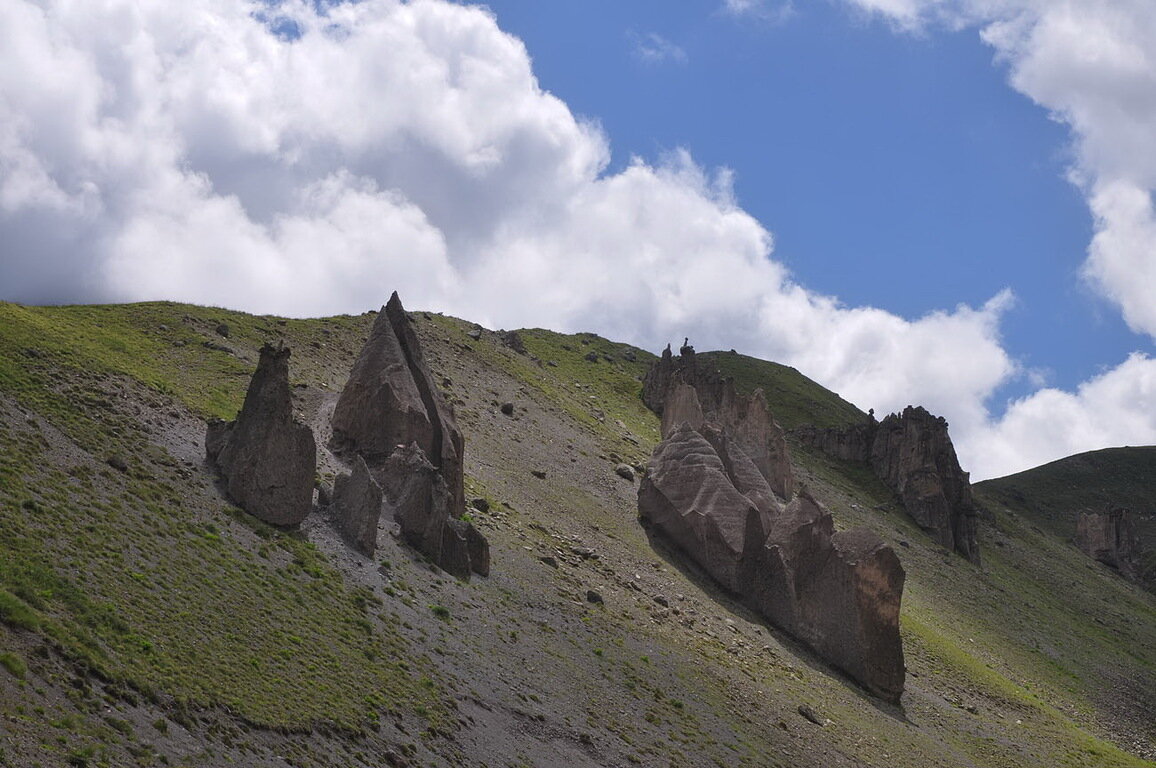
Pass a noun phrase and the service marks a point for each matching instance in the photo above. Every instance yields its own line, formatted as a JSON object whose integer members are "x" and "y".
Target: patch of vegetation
{"x": 794, "y": 399}
{"x": 129, "y": 577}
{"x": 14, "y": 664}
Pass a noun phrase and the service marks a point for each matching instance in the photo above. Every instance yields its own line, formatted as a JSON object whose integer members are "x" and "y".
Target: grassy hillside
{"x": 794, "y": 399}
{"x": 144, "y": 621}
{"x": 1054, "y": 494}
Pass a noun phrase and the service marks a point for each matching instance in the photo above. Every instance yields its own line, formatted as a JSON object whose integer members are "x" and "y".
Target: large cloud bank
{"x": 290, "y": 160}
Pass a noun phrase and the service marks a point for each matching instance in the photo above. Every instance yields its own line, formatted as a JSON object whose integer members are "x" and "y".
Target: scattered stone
{"x": 625, "y": 471}
{"x": 591, "y": 357}
{"x": 217, "y": 347}
{"x": 585, "y": 553}
{"x": 222, "y": 330}
{"x": 809, "y": 714}
{"x": 549, "y": 560}
{"x": 117, "y": 463}
{"x": 474, "y": 334}
{"x": 480, "y": 504}
{"x": 538, "y": 473}
{"x": 661, "y": 600}
{"x": 629, "y": 356}
{"x": 357, "y": 507}
{"x": 507, "y": 409}
{"x": 266, "y": 458}
{"x": 593, "y": 597}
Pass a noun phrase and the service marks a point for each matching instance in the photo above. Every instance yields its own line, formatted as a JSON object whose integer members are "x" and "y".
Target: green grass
{"x": 14, "y": 664}
{"x": 794, "y": 399}
{"x": 1054, "y": 494}
{"x": 132, "y": 580}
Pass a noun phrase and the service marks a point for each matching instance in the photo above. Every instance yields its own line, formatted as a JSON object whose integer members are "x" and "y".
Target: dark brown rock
{"x": 1111, "y": 538}
{"x": 356, "y": 507}
{"x": 266, "y": 458}
{"x": 913, "y": 455}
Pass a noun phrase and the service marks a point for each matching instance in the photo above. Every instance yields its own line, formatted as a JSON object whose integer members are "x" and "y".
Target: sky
{"x": 936, "y": 202}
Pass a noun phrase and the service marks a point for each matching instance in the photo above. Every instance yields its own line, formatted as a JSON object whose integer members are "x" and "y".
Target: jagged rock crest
{"x": 913, "y": 455}
{"x": 392, "y": 415}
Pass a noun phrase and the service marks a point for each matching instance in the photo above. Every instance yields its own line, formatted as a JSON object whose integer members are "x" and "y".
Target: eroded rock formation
{"x": 356, "y": 507}
{"x": 266, "y": 458}
{"x": 1110, "y": 537}
{"x": 707, "y": 490}
{"x": 713, "y": 399}
{"x": 913, "y": 455}
{"x": 392, "y": 415}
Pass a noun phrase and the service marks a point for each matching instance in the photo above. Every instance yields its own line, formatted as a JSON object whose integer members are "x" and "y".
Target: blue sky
{"x": 898, "y": 171}
{"x": 936, "y": 202}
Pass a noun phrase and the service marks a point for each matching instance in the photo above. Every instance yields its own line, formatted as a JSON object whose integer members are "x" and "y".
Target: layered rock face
{"x": 1110, "y": 537}
{"x": 392, "y": 415}
{"x": 912, "y": 453}
{"x": 714, "y": 400}
{"x": 705, "y": 491}
{"x": 266, "y": 458}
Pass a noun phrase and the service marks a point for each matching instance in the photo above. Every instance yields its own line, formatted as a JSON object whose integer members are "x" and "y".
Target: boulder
{"x": 266, "y": 458}
{"x": 1110, "y": 537}
{"x": 392, "y": 415}
{"x": 356, "y": 507}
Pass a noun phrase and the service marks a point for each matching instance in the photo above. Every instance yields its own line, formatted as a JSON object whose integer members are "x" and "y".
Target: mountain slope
{"x": 1054, "y": 494}
{"x": 143, "y": 621}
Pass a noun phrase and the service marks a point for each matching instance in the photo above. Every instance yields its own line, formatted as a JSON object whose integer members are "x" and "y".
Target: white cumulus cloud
{"x": 195, "y": 151}
{"x": 1092, "y": 65}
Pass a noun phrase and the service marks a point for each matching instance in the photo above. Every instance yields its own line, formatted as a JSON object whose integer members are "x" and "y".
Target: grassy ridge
{"x": 794, "y": 399}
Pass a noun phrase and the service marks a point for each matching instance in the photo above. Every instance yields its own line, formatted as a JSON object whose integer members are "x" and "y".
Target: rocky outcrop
{"x": 913, "y": 455}
{"x": 837, "y": 592}
{"x": 392, "y": 415}
{"x": 680, "y": 390}
{"x": 719, "y": 486}
{"x": 1111, "y": 538}
{"x": 356, "y": 507}
{"x": 266, "y": 459}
